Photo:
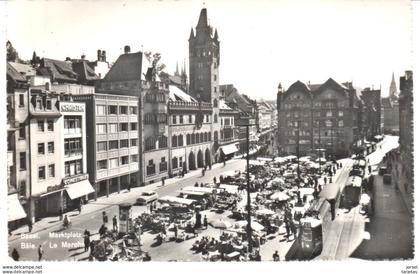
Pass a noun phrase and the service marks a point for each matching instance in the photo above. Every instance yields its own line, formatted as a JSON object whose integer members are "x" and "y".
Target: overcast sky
{"x": 262, "y": 42}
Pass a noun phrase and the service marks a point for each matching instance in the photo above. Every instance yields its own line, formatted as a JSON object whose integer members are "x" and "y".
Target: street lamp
{"x": 248, "y": 190}
{"x": 298, "y": 149}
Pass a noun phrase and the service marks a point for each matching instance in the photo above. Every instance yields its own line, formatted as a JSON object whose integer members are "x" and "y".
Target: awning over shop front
{"x": 229, "y": 149}
{"x": 14, "y": 208}
{"x": 79, "y": 189}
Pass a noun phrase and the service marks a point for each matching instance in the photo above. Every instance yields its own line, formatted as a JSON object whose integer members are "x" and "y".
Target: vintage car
{"x": 146, "y": 197}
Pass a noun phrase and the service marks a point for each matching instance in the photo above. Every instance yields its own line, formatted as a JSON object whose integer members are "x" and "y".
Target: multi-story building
{"x": 323, "y": 116}
{"x": 57, "y": 144}
{"x": 18, "y": 169}
{"x": 372, "y": 110}
{"x": 134, "y": 75}
{"x": 229, "y": 144}
{"x": 406, "y": 174}
{"x": 247, "y": 115}
{"x": 204, "y": 58}
{"x": 112, "y": 144}
{"x": 190, "y": 131}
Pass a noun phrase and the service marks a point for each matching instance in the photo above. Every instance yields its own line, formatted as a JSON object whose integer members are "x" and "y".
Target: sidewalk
{"x": 103, "y": 203}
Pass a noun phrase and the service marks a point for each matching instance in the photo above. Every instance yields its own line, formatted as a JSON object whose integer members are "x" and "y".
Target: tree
{"x": 12, "y": 54}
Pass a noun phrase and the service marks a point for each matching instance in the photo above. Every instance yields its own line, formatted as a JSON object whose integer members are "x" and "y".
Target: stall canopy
{"x": 229, "y": 149}
{"x": 229, "y": 188}
{"x": 255, "y": 163}
{"x": 79, "y": 189}
{"x": 176, "y": 200}
{"x": 14, "y": 208}
{"x": 198, "y": 189}
{"x": 280, "y": 160}
{"x": 264, "y": 159}
{"x": 330, "y": 191}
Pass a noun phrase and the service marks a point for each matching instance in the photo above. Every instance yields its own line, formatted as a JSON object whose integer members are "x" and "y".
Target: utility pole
{"x": 298, "y": 149}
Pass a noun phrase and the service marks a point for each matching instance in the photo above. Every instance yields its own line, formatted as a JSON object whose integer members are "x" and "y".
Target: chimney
{"x": 104, "y": 56}
{"x": 99, "y": 55}
{"x": 126, "y": 49}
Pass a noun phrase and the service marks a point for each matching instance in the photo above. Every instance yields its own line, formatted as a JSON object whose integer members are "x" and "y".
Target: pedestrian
{"x": 196, "y": 184}
{"x": 370, "y": 169}
{"x": 92, "y": 247}
{"x": 176, "y": 232}
{"x": 104, "y": 217}
{"x": 114, "y": 223}
{"x": 287, "y": 226}
{"x": 79, "y": 206}
{"x": 214, "y": 180}
{"x": 293, "y": 229}
{"x": 276, "y": 256}
{"x": 201, "y": 185}
{"x": 30, "y": 226}
{"x": 221, "y": 179}
{"x": 15, "y": 255}
{"x": 325, "y": 180}
{"x": 86, "y": 241}
{"x": 332, "y": 212}
{"x": 151, "y": 208}
{"x": 163, "y": 181}
{"x": 102, "y": 230}
{"x": 40, "y": 253}
{"x": 205, "y": 222}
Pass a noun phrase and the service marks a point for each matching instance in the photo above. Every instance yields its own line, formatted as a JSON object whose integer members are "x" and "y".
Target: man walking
{"x": 114, "y": 223}
{"x": 87, "y": 240}
{"x": 163, "y": 181}
{"x": 40, "y": 253}
{"x": 286, "y": 225}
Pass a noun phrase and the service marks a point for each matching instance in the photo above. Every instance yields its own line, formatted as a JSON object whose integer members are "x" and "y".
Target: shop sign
{"x": 75, "y": 179}
{"x": 54, "y": 188}
{"x": 72, "y": 108}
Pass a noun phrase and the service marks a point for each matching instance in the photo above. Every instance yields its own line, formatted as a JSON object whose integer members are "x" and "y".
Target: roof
{"x": 23, "y": 69}
{"x": 84, "y": 71}
{"x": 222, "y": 105}
{"x": 177, "y": 94}
{"x": 58, "y": 70}
{"x": 128, "y": 67}
{"x": 14, "y": 74}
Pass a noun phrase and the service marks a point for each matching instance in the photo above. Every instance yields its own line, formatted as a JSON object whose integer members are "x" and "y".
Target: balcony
{"x": 70, "y": 131}
{"x": 73, "y": 152}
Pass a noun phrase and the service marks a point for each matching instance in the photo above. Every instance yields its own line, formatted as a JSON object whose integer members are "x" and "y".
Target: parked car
{"x": 387, "y": 179}
{"x": 147, "y": 197}
{"x": 383, "y": 170}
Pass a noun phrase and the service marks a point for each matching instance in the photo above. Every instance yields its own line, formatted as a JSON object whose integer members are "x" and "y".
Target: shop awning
{"x": 229, "y": 149}
{"x": 15, "y": 210}
{"x": 79, "y": 189}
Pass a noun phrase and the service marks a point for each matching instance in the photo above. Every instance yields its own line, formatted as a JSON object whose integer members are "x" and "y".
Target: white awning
{"x": 229, "y": 149}
{"x": 79, "y": 189}
{"x": 15, "y": 210}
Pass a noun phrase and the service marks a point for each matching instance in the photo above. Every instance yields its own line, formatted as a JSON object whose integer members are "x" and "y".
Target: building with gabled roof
{"x": 324, "y": 116}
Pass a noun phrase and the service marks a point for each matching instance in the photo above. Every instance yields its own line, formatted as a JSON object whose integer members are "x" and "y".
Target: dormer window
{"x": 48, "y": 104}
{"x": 38, "y": 103}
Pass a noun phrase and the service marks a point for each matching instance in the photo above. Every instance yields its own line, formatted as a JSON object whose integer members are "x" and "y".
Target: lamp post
{"x": 248, "y": 189}
{"x": 319, "y": 146}
{"x": 298, "y": 149}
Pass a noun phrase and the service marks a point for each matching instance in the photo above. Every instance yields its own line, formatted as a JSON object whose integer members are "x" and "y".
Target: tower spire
{"x": 202, "y": 21}
{"x": 393, "y": 89}
{"x": 177, "y": 70}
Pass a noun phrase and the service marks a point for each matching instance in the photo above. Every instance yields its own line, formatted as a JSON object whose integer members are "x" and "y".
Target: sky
{"x": 263, "y": 43}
